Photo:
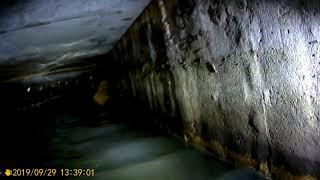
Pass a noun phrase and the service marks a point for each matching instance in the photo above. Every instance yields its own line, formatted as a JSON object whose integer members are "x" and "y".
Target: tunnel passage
{"x": 238, "y": 79}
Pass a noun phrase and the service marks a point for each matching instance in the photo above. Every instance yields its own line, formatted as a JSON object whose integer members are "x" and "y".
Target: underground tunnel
{"x": 160, "y": 89}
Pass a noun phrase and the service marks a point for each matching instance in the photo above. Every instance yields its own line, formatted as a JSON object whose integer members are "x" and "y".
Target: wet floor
{"x": 59, "y": 137}
{"x": 122, "y": 152}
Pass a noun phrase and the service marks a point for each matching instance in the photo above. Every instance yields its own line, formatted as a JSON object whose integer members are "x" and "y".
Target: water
{"x": 58, "y": 138}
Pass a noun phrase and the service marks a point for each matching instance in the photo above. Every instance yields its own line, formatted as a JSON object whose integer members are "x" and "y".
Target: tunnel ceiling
{"x": 41, "y": 38}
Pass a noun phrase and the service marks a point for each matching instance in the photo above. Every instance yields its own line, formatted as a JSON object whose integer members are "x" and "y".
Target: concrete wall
{"x": 49, "y": 48}
{"x": 43, "y": 41}
{"x": 244, "y": 76}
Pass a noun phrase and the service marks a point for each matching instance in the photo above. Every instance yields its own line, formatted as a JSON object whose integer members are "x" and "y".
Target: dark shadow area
{"x": 121, "y": 140}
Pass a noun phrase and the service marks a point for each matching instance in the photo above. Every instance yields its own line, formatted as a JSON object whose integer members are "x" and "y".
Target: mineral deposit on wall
{"x": 243, "y": 75}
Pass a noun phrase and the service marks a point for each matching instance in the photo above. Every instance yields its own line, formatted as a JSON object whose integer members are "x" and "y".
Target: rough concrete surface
{"x": 41, "y": 37}
{"x": 243, "y": 76}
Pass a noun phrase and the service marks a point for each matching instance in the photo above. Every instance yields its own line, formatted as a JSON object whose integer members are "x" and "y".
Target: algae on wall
{"x": 242, "y": 75}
